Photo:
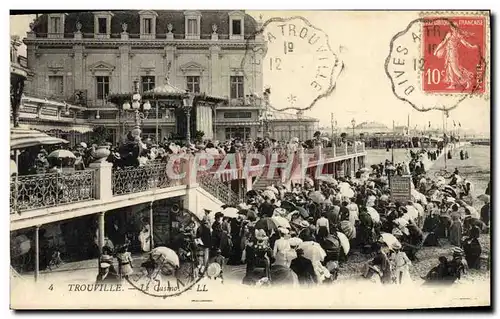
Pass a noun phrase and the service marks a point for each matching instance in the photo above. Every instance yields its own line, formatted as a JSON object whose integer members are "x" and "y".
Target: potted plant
{"x": 100, "y": 137}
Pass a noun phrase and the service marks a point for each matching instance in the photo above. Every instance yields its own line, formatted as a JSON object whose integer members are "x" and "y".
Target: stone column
{"x": 215, "y": 71}
{"x": 78, "y": 68}
{"x": 151, "y": 242}
{"x": 103, "y": 179}
{"x": 101, "y": 235}
{"x": 37, "y": 252}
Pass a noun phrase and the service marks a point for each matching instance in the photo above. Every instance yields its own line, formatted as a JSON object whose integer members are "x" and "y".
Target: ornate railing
{"x": 52, "y": 189}
{"x": 218, "y": 189}
{"x": 140, "y": 179}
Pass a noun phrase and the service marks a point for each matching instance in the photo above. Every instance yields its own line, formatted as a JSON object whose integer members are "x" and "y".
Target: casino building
{"x": 80, "y": 58}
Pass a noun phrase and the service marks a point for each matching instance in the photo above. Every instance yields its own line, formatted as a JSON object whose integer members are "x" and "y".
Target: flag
{"x": 454, "y": 124}
{"x": 429, "y": 123}
{"x": 460, "y": 125}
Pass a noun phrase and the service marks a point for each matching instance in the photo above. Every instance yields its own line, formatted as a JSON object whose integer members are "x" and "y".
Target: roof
{"x": 131, "y": 18}
{"x": 371, "y": 125}
{"x": 281, "y": 116}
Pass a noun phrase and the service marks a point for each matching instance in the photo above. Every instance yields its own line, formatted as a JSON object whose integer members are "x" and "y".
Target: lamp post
{"x": 353, "y": 123}
{"x": 266, "y": 115}
{"x": 139, "y": 108}
{"x": 299, "y": 117}
{"x": 187, "y": 105}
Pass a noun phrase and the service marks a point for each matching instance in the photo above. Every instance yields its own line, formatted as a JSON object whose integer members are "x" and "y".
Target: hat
{"x": 304, "y": 223}
{"x": 450, "y": 200}
{"x": 260, "y": 234}
{"x": 83, "y": 144}
{"x": 283, "y": 230}
{"x": 207, "y": 211}
{"x": 294, "y": 241}
{"x": 105, "y": 265}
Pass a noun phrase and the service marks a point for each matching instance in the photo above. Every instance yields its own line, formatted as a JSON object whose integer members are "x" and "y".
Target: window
{"x": 102, "y": 25}
{"x": 56, "y": 85}
{"x": 236, "y": 27}
{"x": 192, "y": 27}
{"x": 237, "y": 132}
{"x": 148, "y": 23}
{"x": 55, "y": 24}
{"x": 237, "y": 115}
{"x": 193, "y": 84}
{"x": 237, "y": 87}
{"x": 147, "y": 83}
{"x": 102, "y": 83}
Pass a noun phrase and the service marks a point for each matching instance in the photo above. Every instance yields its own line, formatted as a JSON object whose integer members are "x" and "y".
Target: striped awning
{"x": 82, "y": 129}
{"x": 22, "y": 137}
{"x": 228, "y": 123}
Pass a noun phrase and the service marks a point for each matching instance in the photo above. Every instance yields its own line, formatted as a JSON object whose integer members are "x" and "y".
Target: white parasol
{"x": 165, "y": 254}
{"x": 346, "y": 190}
{"x": 391, "y": 241}
{"x": 313, "y": 251}
{"x": 295, "y": 241}
{"x": 273, "y": 189}
{"x": 231, "y": 212}
{"x": 373, "y": 214}
{"x": 281, "y": 221}
{"x": 62, "y": 154}
{"x": 317, "y": 197}
{"x": 344, "y": 242}
{"x": 412, "y": 212}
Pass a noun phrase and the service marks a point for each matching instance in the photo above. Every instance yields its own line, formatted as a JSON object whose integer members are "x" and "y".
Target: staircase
{"x": 262, "y": 181}
{"x": 218, "y": 189}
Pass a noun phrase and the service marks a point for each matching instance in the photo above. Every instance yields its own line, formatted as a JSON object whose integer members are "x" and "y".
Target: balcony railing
{"x": 52, "y": 189}
{"x": 140, "y": 179}
{"x": 218, "y": 189}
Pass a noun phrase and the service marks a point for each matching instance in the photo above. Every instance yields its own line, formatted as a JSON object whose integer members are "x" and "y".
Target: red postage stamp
{"x": 453, "y": 51}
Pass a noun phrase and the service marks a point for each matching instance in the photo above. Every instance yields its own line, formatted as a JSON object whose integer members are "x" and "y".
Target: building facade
{"x": 80, "y": 58}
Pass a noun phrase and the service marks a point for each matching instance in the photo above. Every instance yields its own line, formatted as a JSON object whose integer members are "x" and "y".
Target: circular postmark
{"x": 173, "y": 270}
{"x": 296, "y": 59}
{"x": 437, "y": 62}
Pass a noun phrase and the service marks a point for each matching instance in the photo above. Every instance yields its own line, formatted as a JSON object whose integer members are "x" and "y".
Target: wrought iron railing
{"x": 52, "y": 189}
{"x": 218, "y": 189}
{"x": 140, "y": 179}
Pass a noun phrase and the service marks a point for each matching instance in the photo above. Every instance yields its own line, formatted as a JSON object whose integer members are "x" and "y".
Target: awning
{"x": 22, "y": 137}
{"x": 249, "y": 123}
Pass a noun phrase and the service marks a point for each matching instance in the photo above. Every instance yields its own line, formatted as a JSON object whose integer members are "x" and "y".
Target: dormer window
{"x": 236, "y": 25}
{"x": 192, "y": 24}
{"x": 148, "y": 24}
{"x": 56, "y": 25}
{"x": 102, "y": 24}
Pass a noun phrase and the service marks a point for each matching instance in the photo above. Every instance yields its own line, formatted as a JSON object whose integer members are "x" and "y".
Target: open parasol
{"x": 281, "y": 221}
{"x": 317, "y": 197}
{"x": 165, "y": 255}
{"x": 61, "y": 154}
{"x": 313, "y": 251}
{"x": 266, "y": 224}
{"x": 289, "y": 206}
{"x": 344, "y": 242}
{"x": 391, "y": 241}
{"x": 231, "y": 212}
{"x": 373, "y": 214}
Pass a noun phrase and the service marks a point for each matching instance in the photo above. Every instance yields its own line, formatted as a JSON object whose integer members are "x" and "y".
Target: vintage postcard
{"x": 236, "y": 159}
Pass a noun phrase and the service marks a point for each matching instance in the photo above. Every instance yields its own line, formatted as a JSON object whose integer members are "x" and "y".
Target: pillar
{"x": 101, "y": 235}
{"x": 78, "y": 68}
{"x": 151, "y": 243}
{"x": 37, "y": 252}
{"x": 103, "y": 179}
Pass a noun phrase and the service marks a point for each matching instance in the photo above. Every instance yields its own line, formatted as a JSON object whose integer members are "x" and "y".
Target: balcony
{"x": 45, "y": 198}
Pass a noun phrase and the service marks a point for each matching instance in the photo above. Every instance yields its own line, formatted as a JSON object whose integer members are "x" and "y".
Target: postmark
{"x": 298, "y": 63}
{"x": 439, "y": 61}
{"x": 173, "y": 270}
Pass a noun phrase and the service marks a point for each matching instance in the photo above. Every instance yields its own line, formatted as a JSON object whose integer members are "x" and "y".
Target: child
{"x": 401, "y": 267}
{"x": 124, "y": 261}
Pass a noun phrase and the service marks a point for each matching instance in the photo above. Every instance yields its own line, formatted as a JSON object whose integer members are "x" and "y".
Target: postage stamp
{"x": 453, "y": 51}
{"x": 295, "y": 50}
{"x": 439, "y": 60}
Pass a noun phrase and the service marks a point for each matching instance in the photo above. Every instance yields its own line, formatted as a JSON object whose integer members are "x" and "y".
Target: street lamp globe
{"x": 136, "y": 105}
{"x": 146, "y": 106}
{"x": 126, "y": 106}
{"x": 136, "y": 97}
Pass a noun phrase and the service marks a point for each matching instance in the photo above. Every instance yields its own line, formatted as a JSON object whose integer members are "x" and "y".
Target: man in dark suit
{"x": 303, "y": 267}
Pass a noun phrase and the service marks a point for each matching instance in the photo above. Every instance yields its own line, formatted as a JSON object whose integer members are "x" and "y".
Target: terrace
{"x": 101, "y": 188}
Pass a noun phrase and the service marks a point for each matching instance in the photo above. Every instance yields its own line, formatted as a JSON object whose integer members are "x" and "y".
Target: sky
{"x": 363, "y": 90}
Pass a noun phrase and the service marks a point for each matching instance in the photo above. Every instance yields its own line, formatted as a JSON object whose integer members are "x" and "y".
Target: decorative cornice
{"x": 243, "y": 44}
